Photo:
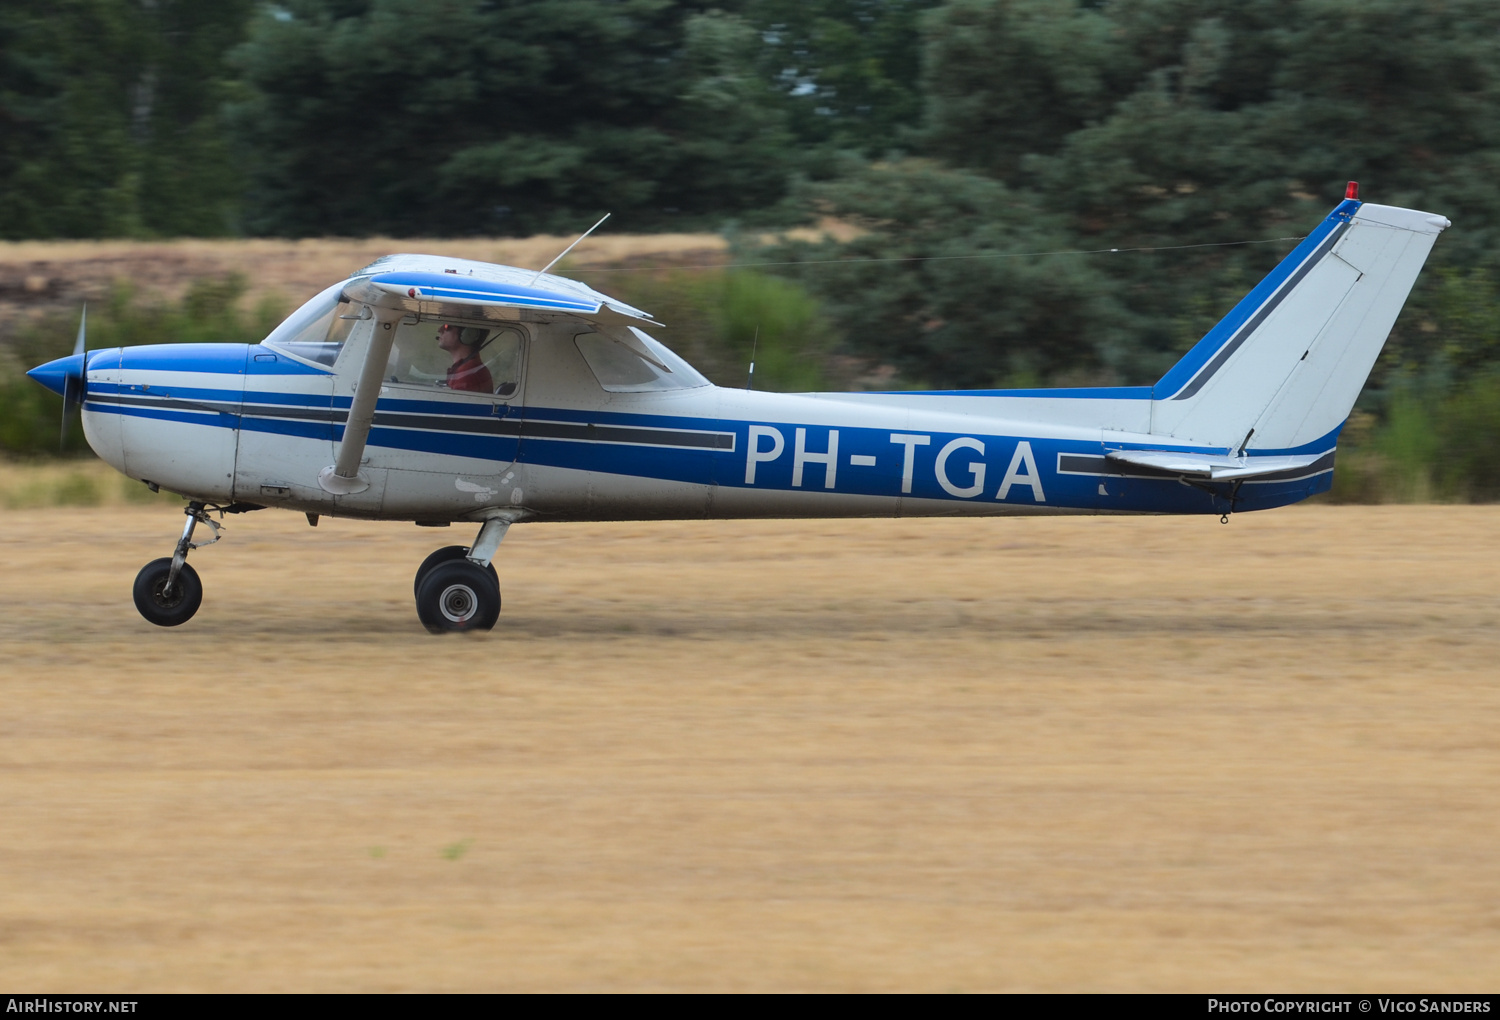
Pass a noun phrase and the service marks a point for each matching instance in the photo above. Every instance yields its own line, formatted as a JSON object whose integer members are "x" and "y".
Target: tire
{"x": 175, "y": 609}
{"x": 458, "y": 596}
{"x": 446, "y": 554}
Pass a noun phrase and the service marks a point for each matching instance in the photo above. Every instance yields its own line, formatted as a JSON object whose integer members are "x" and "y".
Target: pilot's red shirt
{"x": 470, "y": 374}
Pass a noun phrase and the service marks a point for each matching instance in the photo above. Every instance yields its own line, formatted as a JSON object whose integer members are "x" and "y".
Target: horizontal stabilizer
{"x": 1211, "y": 467}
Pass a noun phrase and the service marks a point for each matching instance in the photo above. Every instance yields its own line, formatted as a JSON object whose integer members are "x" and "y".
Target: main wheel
{"x": 446, "y": 554}
{"x": 458, "y": 595}
{"x": 167, "y": 609}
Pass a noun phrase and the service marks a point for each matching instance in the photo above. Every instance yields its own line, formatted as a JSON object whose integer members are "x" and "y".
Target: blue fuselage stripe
{"x": 866, "y": 461}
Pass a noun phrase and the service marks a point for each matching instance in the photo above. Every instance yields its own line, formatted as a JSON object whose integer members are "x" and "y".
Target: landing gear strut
{"x": 457, "y": 589}
{"x": 167, "y": 591}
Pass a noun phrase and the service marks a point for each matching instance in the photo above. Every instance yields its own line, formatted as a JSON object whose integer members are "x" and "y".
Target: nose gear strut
{"x": 196, "y": 515}
{"x": 167, "y": 591}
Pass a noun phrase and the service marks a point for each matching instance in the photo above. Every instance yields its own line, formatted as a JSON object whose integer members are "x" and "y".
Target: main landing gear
{"x": 167, "y": 591}
{"x": 456, "y": 587}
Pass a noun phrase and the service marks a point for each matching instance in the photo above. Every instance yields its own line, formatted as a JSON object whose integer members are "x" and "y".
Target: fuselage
{"x": 254, "y": 424}
{"x": 584, "y": 416}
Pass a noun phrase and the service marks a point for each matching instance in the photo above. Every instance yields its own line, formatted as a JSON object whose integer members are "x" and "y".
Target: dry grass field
{"x": 1072, "y": 754}
{"x": 40, "y": 275}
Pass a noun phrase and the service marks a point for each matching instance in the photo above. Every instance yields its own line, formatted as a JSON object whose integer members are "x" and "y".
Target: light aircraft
{"x": 368, "y": 402}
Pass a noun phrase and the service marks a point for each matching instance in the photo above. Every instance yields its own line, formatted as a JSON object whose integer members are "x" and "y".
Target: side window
{"x": 620, "y": 369}
{"x": 456, "y": 356}
{"x": 502, "y": 356}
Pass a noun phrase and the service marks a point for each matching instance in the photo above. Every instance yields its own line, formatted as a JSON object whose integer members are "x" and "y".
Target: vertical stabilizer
{"x": 1289, "y": 361}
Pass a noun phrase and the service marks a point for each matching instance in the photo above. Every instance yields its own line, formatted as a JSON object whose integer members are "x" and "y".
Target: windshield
{"x": 318, "y": 329}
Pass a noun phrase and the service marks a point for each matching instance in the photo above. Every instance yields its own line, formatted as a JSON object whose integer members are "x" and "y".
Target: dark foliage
{"x": 468, "y": 117}
{"x": 110, "y": 118}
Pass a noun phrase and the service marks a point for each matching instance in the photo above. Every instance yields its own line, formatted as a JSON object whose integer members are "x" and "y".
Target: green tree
{"x": 109, "y": 117}
{"x": 1007, "y": 79}
{"x": 469, "y": 116}
{"x": 941, "y": 286}
{"x": 1160, "y": 123}
{"x": 847, "y": 72}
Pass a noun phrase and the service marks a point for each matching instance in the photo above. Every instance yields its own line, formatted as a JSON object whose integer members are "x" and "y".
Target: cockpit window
{"x": 457, "y": 356}
{"x": 621, "y": 369}
{"x": 317, "y": 330}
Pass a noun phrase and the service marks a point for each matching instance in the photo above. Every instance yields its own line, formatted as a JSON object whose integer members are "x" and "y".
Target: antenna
{"x": 753, "y": 345}
{"x": 542, "y": 271}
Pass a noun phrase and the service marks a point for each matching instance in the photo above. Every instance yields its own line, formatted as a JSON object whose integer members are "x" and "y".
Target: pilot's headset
{"x": 475, "y": 338}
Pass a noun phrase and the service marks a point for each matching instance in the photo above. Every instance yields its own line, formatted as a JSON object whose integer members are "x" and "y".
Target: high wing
{"x": 492, "y": 286}
{"x": 442, "y": 293}
{"x": 467, "y": 297}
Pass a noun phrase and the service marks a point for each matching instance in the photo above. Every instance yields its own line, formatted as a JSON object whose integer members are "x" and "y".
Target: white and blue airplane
{"x": 440, "y": 391}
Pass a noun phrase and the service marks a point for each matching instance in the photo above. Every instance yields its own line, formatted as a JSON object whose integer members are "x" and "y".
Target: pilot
{"x": 466, "y": 372}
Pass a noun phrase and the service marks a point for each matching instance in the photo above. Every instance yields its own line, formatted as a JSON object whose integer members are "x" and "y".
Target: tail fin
{"x": 1289, "y": 361}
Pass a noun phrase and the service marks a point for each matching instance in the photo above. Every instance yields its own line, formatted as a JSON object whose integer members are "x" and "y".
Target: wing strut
{"x": 342, "y": 478}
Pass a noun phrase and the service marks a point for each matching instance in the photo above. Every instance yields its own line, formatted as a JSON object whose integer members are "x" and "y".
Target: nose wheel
{"x": 164, "y": 600}
{"x": 167, "y": 591}
{"x": 457, "y": 588}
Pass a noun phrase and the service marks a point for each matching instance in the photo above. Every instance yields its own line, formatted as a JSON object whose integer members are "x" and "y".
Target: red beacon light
{"x": 1352, "y": 190}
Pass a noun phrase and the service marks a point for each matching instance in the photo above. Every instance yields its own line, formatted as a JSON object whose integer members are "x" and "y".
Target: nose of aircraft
{"x": 55, "y": 374}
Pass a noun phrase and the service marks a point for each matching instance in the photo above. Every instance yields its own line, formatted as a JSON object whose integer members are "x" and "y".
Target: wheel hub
{"x": 167, "y": 599}
{"x": 458, "y": 603}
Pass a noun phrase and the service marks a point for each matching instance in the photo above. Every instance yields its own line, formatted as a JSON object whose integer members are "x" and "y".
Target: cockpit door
{"x": 447, "y": 424}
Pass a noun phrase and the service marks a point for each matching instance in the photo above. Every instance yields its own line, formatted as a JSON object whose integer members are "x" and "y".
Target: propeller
{"x": 68, "y": 376}
{"x": 74, "y": 386}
